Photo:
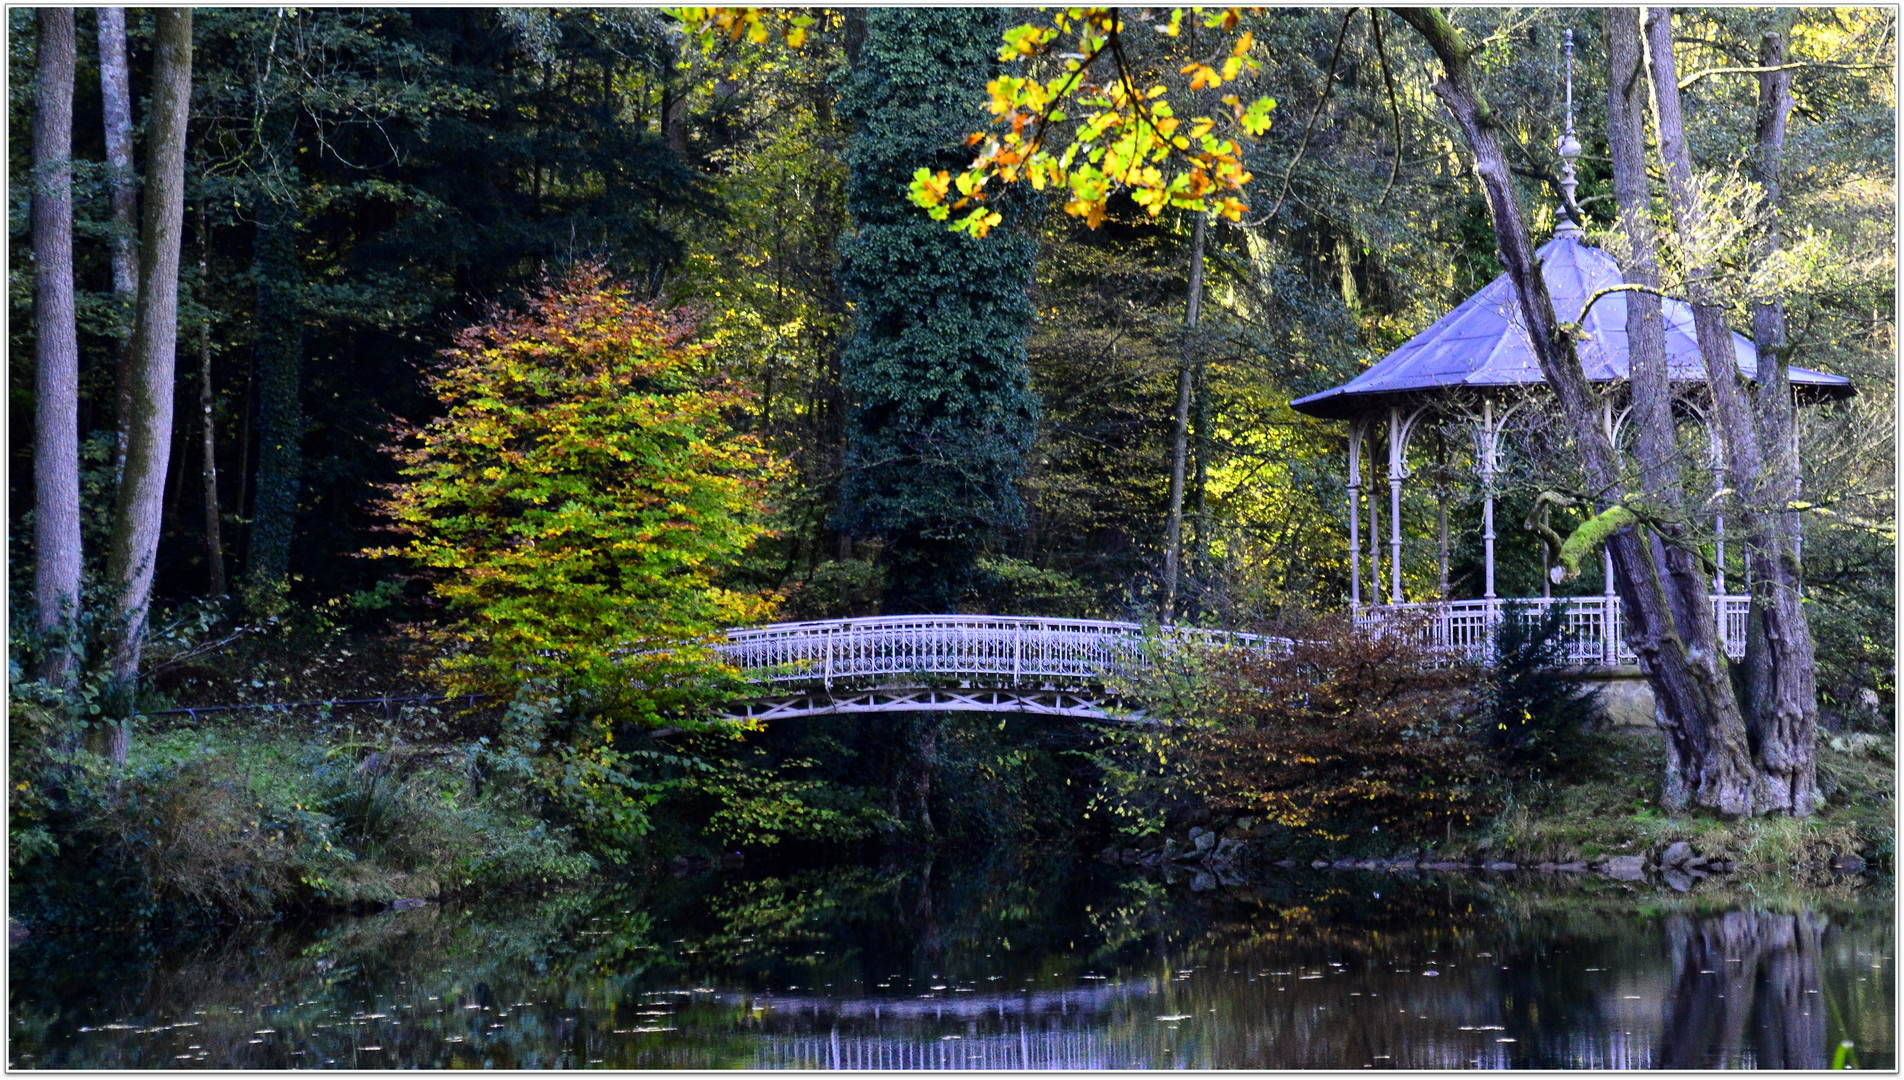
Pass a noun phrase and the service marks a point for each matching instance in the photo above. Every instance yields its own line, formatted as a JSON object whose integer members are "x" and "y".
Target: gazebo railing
{"x": 1595, "y": 630}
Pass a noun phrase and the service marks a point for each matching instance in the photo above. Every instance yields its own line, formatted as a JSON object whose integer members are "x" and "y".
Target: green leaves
{"x": 577, "y": 504}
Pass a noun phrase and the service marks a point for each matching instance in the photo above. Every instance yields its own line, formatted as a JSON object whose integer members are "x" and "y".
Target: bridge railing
{"x": 1015, "y": 650}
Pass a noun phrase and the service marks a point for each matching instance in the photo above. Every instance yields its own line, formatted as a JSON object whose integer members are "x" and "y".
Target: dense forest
{"x": 382, "y": 207}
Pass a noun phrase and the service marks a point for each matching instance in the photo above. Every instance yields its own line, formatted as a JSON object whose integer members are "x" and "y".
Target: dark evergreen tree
{"x": 280, "y": 354}
{"x": 942, "y": 411}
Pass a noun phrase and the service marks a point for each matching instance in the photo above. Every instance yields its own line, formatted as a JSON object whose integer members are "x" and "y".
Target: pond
{"x": 997, "y": 960}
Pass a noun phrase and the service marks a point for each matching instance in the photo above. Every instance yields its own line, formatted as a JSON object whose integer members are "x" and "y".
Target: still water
{"x": 1003, "y": 960}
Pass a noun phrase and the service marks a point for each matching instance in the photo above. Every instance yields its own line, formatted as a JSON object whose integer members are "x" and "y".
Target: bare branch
{"x": 1766, "y": 70}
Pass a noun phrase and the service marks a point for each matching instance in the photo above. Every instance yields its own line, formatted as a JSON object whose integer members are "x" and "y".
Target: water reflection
{"x": 1014, "y": 960}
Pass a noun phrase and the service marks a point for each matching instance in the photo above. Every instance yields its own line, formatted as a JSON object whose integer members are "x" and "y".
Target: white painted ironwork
{"x": 950, "y": 663}
{"x": 1595, "y": 630}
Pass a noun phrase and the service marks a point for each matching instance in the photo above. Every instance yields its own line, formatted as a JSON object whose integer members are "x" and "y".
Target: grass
{"x": 1609, "y": 805}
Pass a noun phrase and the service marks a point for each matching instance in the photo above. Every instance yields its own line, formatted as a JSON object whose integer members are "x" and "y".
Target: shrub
{"x": 1532, "y": 715}
{"x": 1347, "y": 733}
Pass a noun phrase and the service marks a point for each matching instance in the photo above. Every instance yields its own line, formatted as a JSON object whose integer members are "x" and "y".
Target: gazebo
{"x": 1476, "y": 366}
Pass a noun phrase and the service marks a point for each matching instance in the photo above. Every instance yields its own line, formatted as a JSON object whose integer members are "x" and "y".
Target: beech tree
{"x": 56, "y": 341}
{"x": 137, "y": 510}
{"x": 115, "y": 92}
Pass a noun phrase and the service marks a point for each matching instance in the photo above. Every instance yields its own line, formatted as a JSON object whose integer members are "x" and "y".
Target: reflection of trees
{"x": 1744, "y": 980}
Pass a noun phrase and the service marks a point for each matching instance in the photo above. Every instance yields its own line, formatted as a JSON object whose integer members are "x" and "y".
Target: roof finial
{"x": 1569, "y": 149}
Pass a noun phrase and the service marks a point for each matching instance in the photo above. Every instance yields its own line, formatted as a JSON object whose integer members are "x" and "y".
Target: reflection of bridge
{"x": 945, "y": 663}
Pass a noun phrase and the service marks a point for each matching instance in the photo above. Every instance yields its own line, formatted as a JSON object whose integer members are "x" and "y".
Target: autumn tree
{"x": 577, "y": 503}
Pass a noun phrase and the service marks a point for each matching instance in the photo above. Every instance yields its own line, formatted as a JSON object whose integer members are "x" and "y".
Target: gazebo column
{"x": 1355, "y": 516}
{"x": 1395, "y": 502}
{"x": 1718, "y": 533}
{"x": 1489, "y": 464}
{"x": 1374, "y": 538}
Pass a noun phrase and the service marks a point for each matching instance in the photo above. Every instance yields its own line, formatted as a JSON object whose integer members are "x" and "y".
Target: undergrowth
{"x": 1608, "y": 805}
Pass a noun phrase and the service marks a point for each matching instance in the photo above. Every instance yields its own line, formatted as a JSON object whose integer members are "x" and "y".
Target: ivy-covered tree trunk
{"x": 936, "y": 376}
{"x": 137, "y": 511}
{"x": 280, "y": 354}
{"x": 56, "y": 555}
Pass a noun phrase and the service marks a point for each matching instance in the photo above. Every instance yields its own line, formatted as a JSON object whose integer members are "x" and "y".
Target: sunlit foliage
{"x": 578, "y": 501}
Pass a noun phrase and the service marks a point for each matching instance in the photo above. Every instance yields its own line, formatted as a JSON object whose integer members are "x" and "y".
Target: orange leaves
{"x": 1120, "y": 137}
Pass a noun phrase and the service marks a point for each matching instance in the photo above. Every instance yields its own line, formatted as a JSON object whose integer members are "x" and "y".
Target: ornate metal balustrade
{"x": 949, "y": 663}
{"x": 1595, "y": 630}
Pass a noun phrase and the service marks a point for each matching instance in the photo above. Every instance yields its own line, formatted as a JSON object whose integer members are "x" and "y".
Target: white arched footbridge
{"x": 944, "y": 663}
{"x": 1072, "y": 667}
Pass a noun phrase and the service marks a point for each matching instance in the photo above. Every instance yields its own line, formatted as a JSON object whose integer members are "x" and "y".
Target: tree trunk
{"x": 1173, "y": 539}
{"x": 1790, "y": 714}
{"x": 208, "y": 470}
{"x": 1722, "y": 780}
{"x": 137, "y": 511}
{"x": 1781, "y": 707}
{"x": 115, "y": 90}
{"x": 1688, "y": 600}
{"x": 56, "y": 557}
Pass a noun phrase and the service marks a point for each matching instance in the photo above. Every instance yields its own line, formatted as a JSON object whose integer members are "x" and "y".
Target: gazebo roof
{"x": 1483, "y": 344}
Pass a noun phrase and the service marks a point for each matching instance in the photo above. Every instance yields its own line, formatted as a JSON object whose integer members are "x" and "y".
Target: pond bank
{"x": 1604, "y": 819}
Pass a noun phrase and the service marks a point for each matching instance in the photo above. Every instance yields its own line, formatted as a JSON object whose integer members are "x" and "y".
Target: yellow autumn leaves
{"x": 1122, "y": 138}
{"x": 1084, "y": 128}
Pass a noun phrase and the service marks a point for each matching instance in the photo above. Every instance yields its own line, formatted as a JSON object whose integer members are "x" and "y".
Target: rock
{"x": 1445, "y": 867}
{"x": 1721, "y": 866}
{"x": 1286, "y": 864}
{"x": 1676, "y": 855}
{"x": 1195, "y": 831}
{"x": 1203, "y": 840}
{"x": 1343, "y": 864}
{"x": 1246, "y": 823}
{"x": 1203, "y": 882}
{"x": 16, "y": 931}
{"x": 405, "y": 904}
{"x": 1319, "y": 864}
{"x": 1625, "y": 867}
{"x": 1847, "y": 863}
{"x": 1171, "y": 850}
{"x": 1572, "y": 868}
{"x": 1677, "y": 879}
{"x": 1546, "y": 867}
{"x": 1501, "y": 866}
